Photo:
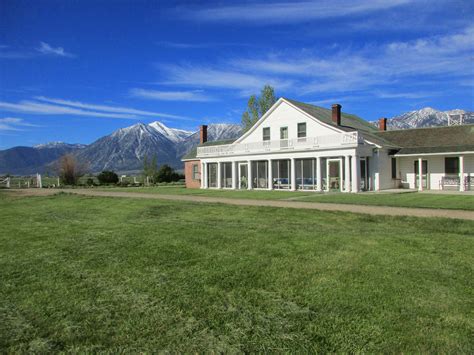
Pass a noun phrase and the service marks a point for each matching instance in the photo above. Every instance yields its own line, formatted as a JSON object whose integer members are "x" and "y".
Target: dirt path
{"x": 373, "y": 210}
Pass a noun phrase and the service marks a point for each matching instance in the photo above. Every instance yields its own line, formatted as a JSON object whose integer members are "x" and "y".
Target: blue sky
{"x": 76, "y": 70}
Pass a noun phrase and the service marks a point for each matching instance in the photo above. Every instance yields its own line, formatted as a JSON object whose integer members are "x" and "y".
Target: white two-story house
{"x": 297, "y": 146}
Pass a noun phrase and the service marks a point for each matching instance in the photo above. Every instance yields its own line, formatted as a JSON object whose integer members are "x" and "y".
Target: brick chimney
{"x": 336, "y": 114}
{"x": 203, "y": 134}
{"x": 382, "y": 124}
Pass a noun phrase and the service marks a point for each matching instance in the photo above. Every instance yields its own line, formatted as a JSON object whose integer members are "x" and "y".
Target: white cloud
{"x": 14, "y": 124}
{"x": 290, "y": 12}
{"x": 447, "y": 56}
{"x": 126, "y": 111}
{"x": 195, "y": 96}
{"x": 220, "y": 78}
{"x": 47, "y": 49}
{"x": 75, "y": 108}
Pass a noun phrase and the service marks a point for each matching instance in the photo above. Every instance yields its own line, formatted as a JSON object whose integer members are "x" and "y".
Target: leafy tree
{"x": 150, "y": 167}
{"x": 257, "y": 107}
{"x": 166, "y": 174}
{"x": 70, "y": 170}
{"x": 108, "y": 177}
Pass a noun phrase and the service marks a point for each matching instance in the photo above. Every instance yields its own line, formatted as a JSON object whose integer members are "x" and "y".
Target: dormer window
{"x": 266, "y": 133}
{"x": 302, "y": 130}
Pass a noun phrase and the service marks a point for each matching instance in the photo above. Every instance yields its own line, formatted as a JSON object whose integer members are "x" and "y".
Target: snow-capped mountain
{"x": 173, "y": 134}
{"x": 58, "y": 145}
{"x": 125, "y": 149}
{"x": 427, "y": 117}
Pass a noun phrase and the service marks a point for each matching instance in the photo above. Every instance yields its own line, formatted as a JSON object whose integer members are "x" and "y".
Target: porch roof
{"x": 432, "y": 140}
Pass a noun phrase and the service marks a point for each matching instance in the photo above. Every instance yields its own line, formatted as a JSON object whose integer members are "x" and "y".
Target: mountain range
{"x": 125, "y": 149}
{"x": 427, "y": 117}
{"x": 122, "y": 151}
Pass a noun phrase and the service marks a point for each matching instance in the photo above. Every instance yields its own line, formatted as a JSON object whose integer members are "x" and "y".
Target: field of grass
{"x": 88, "y": 274}
{"x": 411, "y": 199}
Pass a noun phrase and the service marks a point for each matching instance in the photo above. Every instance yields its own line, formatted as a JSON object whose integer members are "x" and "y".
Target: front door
{"x": 424, "y": 173}
{"x": 243, "y": 176}
{"x": 334, "y": 175}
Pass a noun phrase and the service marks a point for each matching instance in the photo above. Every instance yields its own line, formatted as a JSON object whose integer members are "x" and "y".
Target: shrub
{"x": 108, "y": 177}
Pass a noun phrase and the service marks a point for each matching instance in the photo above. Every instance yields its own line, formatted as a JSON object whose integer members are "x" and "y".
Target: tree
{"x": 70, "y": 170}
{"x": 150, "y": 168}
{"x": 257, "y": 107}
{"x": 108, "y": 177}
{"x": 166, "y": 174}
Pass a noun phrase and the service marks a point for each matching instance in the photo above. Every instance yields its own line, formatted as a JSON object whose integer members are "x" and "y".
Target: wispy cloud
{"x": 289, "y": 12}
{"x": 14, "y": 124}
{"x": 195, "y": 96}
{"x": 50, "y": 106}
{"x": 345, "y": 69}
{"x": 47, "y": 49}
{"x": 220, "y": 78}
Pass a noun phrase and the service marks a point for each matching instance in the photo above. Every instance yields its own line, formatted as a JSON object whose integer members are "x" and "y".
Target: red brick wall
{"x": 188, "y": 174}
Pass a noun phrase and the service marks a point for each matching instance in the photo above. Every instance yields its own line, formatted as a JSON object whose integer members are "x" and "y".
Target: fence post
{"x": 8, "y": 183}
{"x": 38, "y": 181}
{"x": 58, "y": 181}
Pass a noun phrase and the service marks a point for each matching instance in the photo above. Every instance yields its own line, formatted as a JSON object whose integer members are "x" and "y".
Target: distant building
{"x": 297, "y": 146}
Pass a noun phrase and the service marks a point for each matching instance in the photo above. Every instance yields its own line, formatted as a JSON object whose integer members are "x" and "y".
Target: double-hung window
{"x": 266, "y": 133}
{"x": 195, "y": 172}
{"x": 302, "y": 130}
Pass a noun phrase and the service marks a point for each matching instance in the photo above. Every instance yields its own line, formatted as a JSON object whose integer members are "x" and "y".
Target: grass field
{"x": 88, "y": 274}
{"x": 411, "y": 199}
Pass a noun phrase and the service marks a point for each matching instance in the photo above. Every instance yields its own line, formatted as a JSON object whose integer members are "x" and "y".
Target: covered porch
{"x": 346, "y": 173}
{"x": 436, "y": 172}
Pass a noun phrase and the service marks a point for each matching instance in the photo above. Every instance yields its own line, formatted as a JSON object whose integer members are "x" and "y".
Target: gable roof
{"x": 431, "y": 140}
{"x": 349, "y": 122}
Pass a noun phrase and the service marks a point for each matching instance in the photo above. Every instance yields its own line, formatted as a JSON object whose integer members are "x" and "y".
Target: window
{"x": 302, "y": 130}
{"x": 281, "y": 174}
{"x": 195, "y": 172}
{"x": 260, "y": 174}
{"x": 226, "y": 175}
{"x": 451, "y": 165}
{"x": 284, "y": 133}
{"x": 266, "y": 134}
{"x": 212, "y": 174}
{"x": 394, "y": 168}
{"x": 305, "y": 174}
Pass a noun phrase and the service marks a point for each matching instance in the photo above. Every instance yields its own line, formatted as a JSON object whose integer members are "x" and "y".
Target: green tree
{"x": 257, "y": 107}
{"x": 150, "y": 167}
{"x": 167, "y": 174}
{"x": 108, "y": 177}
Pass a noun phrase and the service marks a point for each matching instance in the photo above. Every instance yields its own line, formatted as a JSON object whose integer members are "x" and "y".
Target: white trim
{"x": 428, "y": 154}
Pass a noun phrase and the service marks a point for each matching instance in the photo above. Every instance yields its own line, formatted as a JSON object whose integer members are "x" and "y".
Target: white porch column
{"x": 319, "y": 180}
{"x": 250, "y": 178}
{"x": 355, "y": 173}
{"x": 204, "y": 174}
{"x": 270, "y": 175}
{"x": 420, "y": 174}
{"x": 203, "y": 167}
{"x": 293, "y": 174}
{"x": 461, "y": 173}
{"x": 219, "y": 177}
{"x": 234, "y": 175}
{"x": 347, "y": 174}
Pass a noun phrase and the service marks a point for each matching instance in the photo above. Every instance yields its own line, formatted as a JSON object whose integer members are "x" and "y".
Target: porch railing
{"x": 295, "y": 144}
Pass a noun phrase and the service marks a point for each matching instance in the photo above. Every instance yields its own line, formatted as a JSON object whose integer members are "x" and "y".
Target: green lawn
{"x": 89, "y": 274}
{"x": 407, "y": 199}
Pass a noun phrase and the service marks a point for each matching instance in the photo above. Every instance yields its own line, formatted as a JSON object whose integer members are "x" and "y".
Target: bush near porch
{"x": 86, "y": 274}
